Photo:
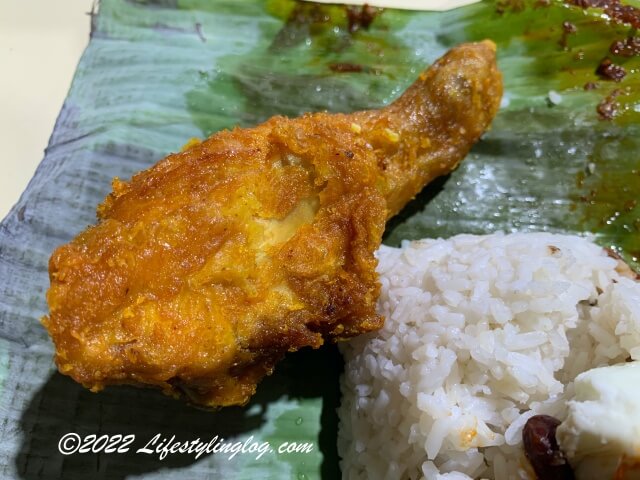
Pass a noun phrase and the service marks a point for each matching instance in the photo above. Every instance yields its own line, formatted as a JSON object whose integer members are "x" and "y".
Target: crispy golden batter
{"x": 204, "y": 270}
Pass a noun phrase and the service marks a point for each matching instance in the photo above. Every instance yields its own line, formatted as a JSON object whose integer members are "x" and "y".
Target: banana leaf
{"x": 158, "y": 72}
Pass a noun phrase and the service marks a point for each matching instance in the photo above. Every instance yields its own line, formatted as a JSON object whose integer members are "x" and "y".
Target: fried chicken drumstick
{"x": 205, "y": 269}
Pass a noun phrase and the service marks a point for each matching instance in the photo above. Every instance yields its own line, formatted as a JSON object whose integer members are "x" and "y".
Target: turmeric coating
{"x": 206, "y": 269}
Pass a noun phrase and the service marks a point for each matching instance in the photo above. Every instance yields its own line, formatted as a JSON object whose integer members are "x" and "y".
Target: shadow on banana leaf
{"x": 62, "y": 406}
{"x": 414, "y": 207}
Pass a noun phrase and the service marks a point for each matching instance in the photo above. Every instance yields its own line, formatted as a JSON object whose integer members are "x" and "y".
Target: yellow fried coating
{"x": 205, "y": 269}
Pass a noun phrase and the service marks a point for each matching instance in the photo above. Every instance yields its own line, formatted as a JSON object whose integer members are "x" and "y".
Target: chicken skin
{"x": 206, "y": 269}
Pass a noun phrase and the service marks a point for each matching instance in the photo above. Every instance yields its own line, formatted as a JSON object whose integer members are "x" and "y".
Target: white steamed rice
{"x": 481, "y": 333}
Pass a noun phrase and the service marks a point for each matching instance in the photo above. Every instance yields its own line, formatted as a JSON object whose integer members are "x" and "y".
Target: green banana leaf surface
{"x": 159, "y": 72}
